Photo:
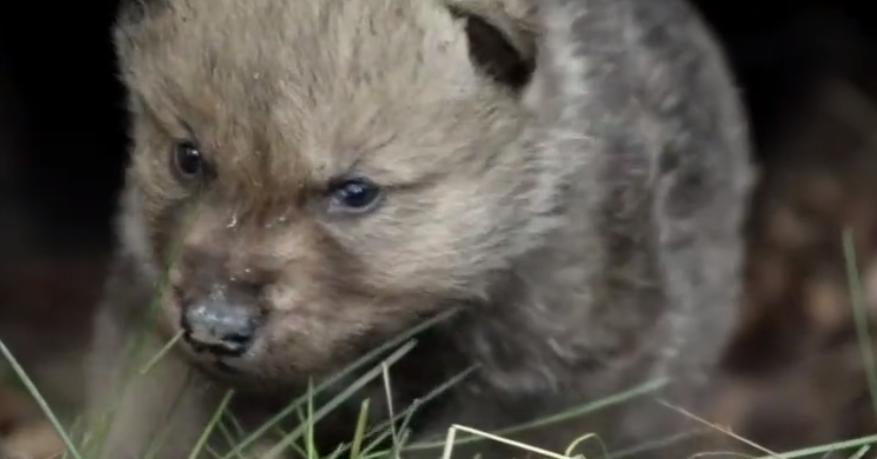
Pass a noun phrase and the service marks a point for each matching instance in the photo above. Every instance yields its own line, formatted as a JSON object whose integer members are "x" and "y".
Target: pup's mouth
{"x": 218, "y": 360}
{"x": 226, "y": 346}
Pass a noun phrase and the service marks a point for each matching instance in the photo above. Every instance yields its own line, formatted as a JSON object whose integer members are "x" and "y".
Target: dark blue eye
{"x": 357, "y": 195}
{"x": 188, "y": 160}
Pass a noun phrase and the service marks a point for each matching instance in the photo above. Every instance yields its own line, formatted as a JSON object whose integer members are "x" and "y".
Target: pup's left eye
{"x": 188, "y": 160}
{"x": 357, "y": 195}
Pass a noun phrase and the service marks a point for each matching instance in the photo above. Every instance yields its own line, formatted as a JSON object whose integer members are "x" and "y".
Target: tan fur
{"x": 547, "y": 212}
{"x": 281, "y": 131}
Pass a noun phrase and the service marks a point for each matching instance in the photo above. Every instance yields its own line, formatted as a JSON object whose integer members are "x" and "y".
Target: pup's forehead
{"x": 311, "y": 51}
{"x": 319, "y": 75}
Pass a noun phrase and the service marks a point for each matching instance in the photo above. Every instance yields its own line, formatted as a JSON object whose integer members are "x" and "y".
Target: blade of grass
{"x": 227, "y": 435}
{"x": 212, "y": 452}
{"x": 134, "y": 344}
{"x": 722, "y": 454}
{"x": 829, "y": 448}
{"x": 382, "y": 429}
{"x": 161, "y": 353}
{"x": 340, "y": 398}
{"x": 311, "y": 444}
{"x": 403, "y": 438}
{"x": 347, "y": 371}
{"x": 73, "y": 430}
{"x": 860, "y": 315}
{"x": 587, "y": 408}
{"x": 380, "y": 455}
{"x": 38, "y": 397}
{"x": 367, "y": 452}
{"x": 294, "y": 448}
{"x": 408, "y": 412}
{"x": 861, "y": 452}
{"x": 388, "y": 392}
{"x": 450, "y": 443}
{"x": 235, "y": 423}
{"x": 579, "y": 441}
{"x": 359, "y": 433}
{"x": 337, "y": 453}
{"x": 728, "y": 432}
{"x": 202, "y": 441}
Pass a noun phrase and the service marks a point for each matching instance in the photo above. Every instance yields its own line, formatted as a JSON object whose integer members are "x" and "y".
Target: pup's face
{"x": 319, "y": 173}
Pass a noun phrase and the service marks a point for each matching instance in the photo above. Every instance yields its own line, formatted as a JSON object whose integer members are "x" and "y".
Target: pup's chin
{"x": 255, "y": 371}
{"x": 242, "y": 375}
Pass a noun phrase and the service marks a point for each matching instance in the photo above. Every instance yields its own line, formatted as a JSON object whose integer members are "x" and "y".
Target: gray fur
{"x": 591, "y": 225}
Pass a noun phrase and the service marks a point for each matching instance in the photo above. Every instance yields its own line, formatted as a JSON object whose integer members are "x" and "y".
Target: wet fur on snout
{"x": 579, "y": 199}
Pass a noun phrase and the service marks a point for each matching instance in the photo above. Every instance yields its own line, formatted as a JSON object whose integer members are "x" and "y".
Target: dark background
{"x": 62, "y": 147}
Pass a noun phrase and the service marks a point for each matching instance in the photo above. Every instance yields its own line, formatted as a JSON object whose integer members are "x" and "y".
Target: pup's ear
{"x": 501, "y": 46}
{"x": 133, "y": 11}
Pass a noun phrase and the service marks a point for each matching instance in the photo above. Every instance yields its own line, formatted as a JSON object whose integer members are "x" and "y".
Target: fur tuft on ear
{"x": 503, "y": 47}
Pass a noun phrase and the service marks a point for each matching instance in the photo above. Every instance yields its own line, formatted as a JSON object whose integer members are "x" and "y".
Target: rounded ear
{"x": 502, "y": 39}
{"x": 133, "y": 11}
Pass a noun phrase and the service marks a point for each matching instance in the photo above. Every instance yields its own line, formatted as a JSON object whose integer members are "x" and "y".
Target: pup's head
{"x": 322, "y": 173}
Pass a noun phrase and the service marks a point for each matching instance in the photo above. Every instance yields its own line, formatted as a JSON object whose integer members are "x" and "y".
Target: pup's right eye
{"x": 354, "y": 196}
{"x": 188, "y": 160}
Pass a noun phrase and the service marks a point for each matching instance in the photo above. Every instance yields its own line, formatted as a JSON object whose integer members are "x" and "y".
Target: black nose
{"x": 220, "y": 327}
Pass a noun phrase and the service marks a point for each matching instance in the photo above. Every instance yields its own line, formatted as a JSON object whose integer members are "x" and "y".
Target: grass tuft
{"x": 346, "y": 394}
{"x": 211, "y": 426}
{"x": 359, "y": 434}
{"x": 718, "y": 428}
{"x": 450, "y": 443}
{"x": 41, "y": 401}
{"x": 860, "y": 314}
{"x": 861, "y": 452}
{"x": 582, "y": 410}
{"x": 828, "y": 448}
{"x": 337, "y": 377}
{"x": 592, "y": 437}
{"x": 389, "y": 438}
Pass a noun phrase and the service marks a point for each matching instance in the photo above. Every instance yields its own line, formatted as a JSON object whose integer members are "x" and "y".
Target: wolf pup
{"x": 310, "y": 178}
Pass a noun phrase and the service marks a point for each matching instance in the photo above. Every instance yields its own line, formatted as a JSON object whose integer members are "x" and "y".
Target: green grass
{"x": 366, "y": 440}
{"x": 38, "y": 397}
{"x": 211, "y": 426}
{"x": 390, "y": 438}
{"x": 860, "y": 315}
